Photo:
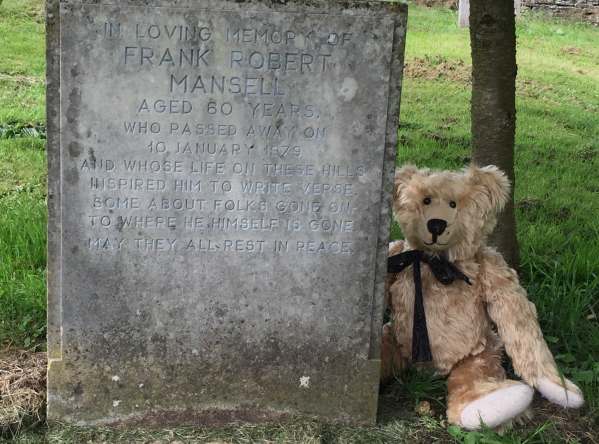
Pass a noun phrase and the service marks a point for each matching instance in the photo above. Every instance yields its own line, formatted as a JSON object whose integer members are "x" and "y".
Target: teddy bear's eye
{"x": 452, "y": 204}
{"x": 427, "y": 201}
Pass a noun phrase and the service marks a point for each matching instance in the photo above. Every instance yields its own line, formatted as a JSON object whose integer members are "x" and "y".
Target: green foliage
{"x": 541, "y": 435}
{"x": 417, "y": 385}
{"x": 14, "y": 130}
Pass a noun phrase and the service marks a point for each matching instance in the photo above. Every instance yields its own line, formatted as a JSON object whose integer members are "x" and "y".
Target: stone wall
{"x": 587, "y": 10}
{"x": 452, "y": 4}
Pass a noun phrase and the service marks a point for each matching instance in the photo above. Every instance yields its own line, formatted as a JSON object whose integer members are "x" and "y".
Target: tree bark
{"x": 493, "y": 108}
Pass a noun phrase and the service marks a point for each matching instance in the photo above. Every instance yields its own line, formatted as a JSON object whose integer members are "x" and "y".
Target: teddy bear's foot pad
{"x": 567, "y": 397}
{"x": 497, "y": 407}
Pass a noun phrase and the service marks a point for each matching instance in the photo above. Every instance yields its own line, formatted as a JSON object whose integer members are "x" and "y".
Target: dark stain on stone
{"x": 74, "y": 105}
{"x": 74, "y": 149}
{"x": 75, "y": 71}
{"x": 75, "y": 249}
{"x": 92, "y": 155}
{"x": 78, "y": 390}
{"x": 158, "y": 340}
{"x": 71, "y": 176}
{"x": 279, "y": 123}
{"x": 144, "y": 317}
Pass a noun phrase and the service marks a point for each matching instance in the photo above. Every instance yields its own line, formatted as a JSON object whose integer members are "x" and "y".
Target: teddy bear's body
{"x": 450, "y": 215}
{"x": 455, "y": 314}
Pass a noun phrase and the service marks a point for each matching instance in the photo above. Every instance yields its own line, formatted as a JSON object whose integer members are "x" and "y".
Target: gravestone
{"x": 220, "y": 175}
{"x": 464, "y": 12}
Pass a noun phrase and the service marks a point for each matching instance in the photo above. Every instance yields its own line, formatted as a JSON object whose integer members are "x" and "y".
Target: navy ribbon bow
{"x": 445, "y": 272}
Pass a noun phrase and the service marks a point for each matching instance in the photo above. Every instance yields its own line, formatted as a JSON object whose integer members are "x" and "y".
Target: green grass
{"x": 557, "y": 159}
{"x": 22, "y": 242}
{"x": 22, "y": 174}
{"x": 22, "y": 61}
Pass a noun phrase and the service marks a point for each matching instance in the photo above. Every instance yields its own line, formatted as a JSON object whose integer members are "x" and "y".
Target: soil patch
{"x": 20, "y": 79}
{"x": 438, "y": 68}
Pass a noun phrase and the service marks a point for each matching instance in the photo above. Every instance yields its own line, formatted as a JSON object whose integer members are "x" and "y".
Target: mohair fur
{"x": 468, "y": 325}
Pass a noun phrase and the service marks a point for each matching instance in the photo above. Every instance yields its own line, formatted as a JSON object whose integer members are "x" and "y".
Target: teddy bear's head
{"x": 451, "y": 212}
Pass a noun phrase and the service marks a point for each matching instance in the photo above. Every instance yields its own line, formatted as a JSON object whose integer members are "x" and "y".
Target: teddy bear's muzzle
{"x": 436, "y": 227}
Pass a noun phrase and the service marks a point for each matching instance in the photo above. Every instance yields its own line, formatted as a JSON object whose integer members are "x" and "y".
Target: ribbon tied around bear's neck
{"x": 444, "y": 271}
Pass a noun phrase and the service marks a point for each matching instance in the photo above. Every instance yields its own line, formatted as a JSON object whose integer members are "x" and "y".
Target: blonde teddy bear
{"x": 456, "y": 303}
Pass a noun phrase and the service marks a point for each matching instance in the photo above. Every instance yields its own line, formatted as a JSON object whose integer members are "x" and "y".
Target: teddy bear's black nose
{"x": 436, "y": 226}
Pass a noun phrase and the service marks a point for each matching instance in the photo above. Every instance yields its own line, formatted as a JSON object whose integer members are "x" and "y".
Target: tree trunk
{"x": 493, "y": 41}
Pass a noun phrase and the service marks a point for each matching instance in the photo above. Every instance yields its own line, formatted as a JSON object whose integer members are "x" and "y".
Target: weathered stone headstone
{"x": 220, "y": 176}
{"x": 464, "y": 12}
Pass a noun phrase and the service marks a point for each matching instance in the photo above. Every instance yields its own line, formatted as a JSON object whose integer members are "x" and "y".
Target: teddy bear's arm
{"x": 517, "y": 324}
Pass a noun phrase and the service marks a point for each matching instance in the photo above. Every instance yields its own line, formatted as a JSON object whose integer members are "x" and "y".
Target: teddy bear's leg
{"x": 390, "y": 356}
{"x": 478, "y": 391}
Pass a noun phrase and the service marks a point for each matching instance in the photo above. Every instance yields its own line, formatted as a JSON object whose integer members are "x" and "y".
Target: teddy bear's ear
{"x": 403, "y": 175}
{"x": 490, "y": 187}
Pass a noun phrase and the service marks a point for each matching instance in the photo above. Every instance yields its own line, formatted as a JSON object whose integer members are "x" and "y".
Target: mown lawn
{"x": 22, "y": 173}
{"x": 557, "y": 198}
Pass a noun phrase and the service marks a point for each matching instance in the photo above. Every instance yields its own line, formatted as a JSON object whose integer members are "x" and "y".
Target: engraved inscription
{"x": 220, "y": 147}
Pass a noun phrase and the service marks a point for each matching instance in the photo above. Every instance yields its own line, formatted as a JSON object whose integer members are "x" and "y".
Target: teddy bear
{"x": 455, "y": 303}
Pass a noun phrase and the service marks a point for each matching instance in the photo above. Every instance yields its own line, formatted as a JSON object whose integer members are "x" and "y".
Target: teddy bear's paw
{"x": 569, "y": 396}
{"x": 497, "y": 407}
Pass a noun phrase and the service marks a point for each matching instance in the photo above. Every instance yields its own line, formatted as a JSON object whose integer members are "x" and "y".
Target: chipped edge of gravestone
{"x": 387, "y": 186}
{"x": 54, "y": 290}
